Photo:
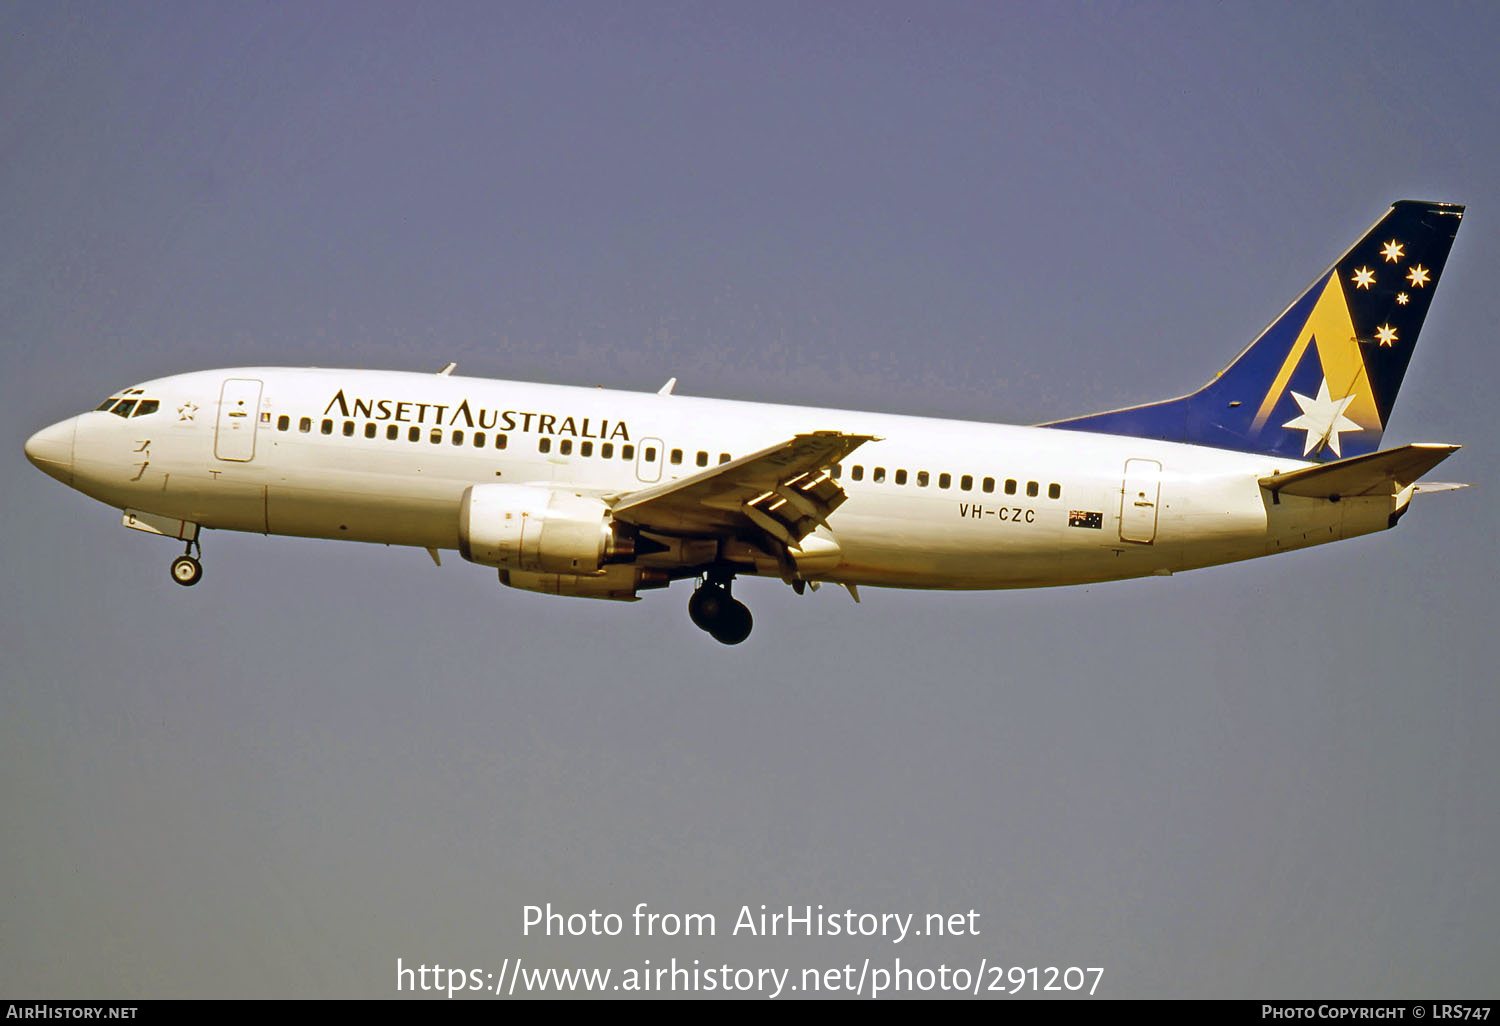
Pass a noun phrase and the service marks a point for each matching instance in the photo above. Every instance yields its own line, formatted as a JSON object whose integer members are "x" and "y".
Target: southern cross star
{"x": 1417, "y": 276}
{"x": 1392, "y": 251}
{"x": 1386, "y": 334}
{"x": 1322, "y": 418}
{"x": 1363, "y": 278}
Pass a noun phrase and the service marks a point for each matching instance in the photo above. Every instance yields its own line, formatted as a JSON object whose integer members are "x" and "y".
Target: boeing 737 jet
{"x": 606, "y": 494}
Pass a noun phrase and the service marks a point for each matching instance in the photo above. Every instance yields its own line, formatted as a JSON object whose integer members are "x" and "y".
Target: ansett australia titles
{"x": 751, "y": 921}
{"x": 461, "y": 414}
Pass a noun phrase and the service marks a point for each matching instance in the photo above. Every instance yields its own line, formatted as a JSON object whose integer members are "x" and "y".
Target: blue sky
{"x": 1270, "y": 779}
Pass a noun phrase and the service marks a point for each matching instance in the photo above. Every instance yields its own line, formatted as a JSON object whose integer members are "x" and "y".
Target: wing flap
{"x": 785, "y": 491}
{"x": 1378, "y": 473}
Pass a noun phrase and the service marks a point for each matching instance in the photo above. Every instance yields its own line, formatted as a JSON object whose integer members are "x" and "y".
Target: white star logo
{"x": 1392, "y": 251}
{"x": 1363, "y": 278}
{"x": 1386, "y": 334}
{"x": 1322, "y": 418}
{"x": 1417, "y": 276}
{"x": 186, "y": 411}
{"x": 1402, "y": 298}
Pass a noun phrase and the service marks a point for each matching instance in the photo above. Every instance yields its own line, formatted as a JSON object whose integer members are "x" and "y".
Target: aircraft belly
{"x": 392, "y": 518}
{"x": 987, "y": 545}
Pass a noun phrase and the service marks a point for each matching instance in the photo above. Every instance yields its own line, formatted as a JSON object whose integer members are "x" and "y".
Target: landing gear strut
{"x": 714, "y": 610}
{"x": 186, "y": 570}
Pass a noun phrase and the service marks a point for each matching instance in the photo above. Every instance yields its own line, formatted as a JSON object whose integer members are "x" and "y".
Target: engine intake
{"x": 540, "y": 530}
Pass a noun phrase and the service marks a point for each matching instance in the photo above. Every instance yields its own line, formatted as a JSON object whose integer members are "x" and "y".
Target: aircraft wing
{"x": 1378, "y": 473}
{"x": 784, "y": 491}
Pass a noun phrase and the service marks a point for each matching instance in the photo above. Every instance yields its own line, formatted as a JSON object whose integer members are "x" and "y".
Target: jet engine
{"x": 540, "y": 530}
{"x": 613, "y": 582}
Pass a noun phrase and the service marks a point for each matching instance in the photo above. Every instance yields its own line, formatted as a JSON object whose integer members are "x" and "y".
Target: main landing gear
{"x": 714, "y": 610}
{"x": 185, "y": 569}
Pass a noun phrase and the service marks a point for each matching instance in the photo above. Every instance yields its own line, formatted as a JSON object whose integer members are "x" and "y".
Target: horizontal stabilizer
{"x": 1378, "y": 473}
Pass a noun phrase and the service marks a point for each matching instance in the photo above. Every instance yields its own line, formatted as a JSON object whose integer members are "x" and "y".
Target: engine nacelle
{"x": 613, "y": 582}
{"x": 540, "y": 530}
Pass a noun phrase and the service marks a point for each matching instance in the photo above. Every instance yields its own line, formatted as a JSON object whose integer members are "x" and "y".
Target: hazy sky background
{"x": 1277, "y": 779}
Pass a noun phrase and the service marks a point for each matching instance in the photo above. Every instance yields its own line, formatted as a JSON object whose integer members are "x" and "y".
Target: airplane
{"x": 607, "y": 494}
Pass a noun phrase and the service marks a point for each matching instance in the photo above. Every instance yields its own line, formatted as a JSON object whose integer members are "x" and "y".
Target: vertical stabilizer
{"x": 1320, "y": 382}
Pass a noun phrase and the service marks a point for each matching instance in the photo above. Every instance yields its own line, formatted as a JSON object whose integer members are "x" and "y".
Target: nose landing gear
{"x": 186, "y": 570}
{"x": 714, "y": 610}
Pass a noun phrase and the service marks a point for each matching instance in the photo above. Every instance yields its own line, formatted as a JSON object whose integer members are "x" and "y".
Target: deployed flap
{"x": 784, "y": 491}
{"x": 1378, "y": 473}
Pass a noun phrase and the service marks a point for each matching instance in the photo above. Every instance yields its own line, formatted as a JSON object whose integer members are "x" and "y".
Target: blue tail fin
{"x": 1319, "y": 383}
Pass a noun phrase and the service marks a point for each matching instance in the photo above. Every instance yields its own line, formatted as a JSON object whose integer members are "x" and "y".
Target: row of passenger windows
{"x": 437, "y": 436}
{"x": 607, "y": 450}
{"x": 565, "y": 446}
{"x": 434, "y": 436}
{"x": 965, "y": 481}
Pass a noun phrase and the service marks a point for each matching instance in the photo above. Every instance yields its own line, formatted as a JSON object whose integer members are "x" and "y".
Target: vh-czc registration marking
{"x": 1009, "y": 514}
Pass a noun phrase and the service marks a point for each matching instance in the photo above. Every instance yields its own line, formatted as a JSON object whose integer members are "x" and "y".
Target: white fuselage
{"x": 380, "y": 456}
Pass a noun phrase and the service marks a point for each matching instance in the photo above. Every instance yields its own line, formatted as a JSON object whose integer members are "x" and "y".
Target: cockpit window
{"x": 122, "y": 407}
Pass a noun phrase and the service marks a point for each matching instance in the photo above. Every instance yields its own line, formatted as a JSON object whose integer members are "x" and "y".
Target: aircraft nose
{"x": 51, "y": 449}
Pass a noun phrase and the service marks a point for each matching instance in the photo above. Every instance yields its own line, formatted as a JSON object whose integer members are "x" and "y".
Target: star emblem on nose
{"x": 186, "y": 411}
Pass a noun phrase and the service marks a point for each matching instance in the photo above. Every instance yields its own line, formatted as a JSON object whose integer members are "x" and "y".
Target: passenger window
{"x": 436, "y": 436}
{"x": 348, "y": 428}
{"x": 123, "y": 410}
{"x": 702, "y": 458}
{"x": 879, "y": 475}
{"x": 901, "y": 477}
{"x": 858, "y": 473}
{"x": 627, "y": 452}
{"x": 392, "y": 432}
{"x": 150, "y": 406}
{"x": 723, "y": 457}
{"x": 676, "y": 457}
{"x": 1010, "y": 486}
{"x": 1032, "y": 488}
{"x": 585, "y": 448}
{"x": 607, "y": 450}
{"x": 989, "y": 484}
{"x": 1054, "y": 491}
{"x": 283, "y": 422}
{"x": 835, "y": 470}
{"x": 566, "y": 448}
{"x": 501, "y": 441}
{"x": 944, "y": 480}
{"x": 327, "y": 426}
{"x": 414, "y": 434}
{"x": 479, "y": 439}
{"x": 458, "y": 438}
{"x": 544, "y": 445}
{"x": 966, "y": 482}
{"x": 650, "y": 454}
{"x": 922, "y": 479}
{"x": 370, "y": 429}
